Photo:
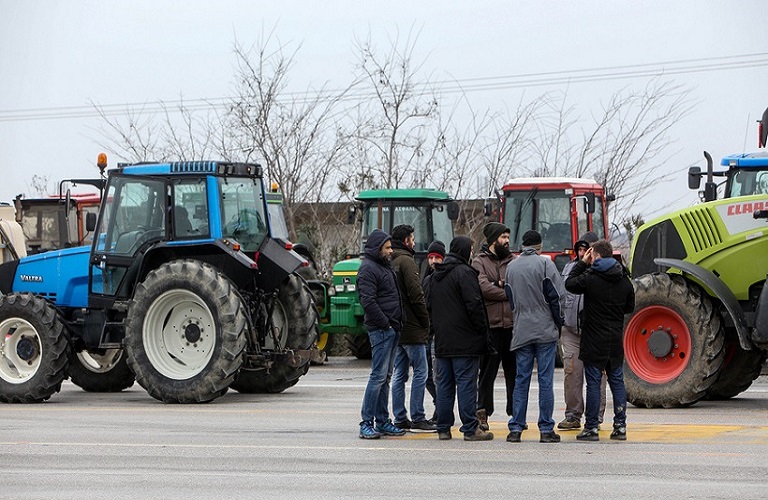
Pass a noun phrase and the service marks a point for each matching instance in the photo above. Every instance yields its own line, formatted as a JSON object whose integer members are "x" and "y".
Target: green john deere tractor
{"x": 431, "y": 214}
{"x": 700, "y": 324}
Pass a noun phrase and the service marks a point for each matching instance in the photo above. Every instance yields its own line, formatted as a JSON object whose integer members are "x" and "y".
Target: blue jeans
{"x": 544, "y": 354}
{"x": 376, "y": 397}
{"x": 593, "y": 375}
{"x": 457, "y": 377}
{"x": 409, "y": 355}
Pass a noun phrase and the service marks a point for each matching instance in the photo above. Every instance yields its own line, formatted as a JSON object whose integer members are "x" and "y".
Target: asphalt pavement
{"x": 303, "y": 443}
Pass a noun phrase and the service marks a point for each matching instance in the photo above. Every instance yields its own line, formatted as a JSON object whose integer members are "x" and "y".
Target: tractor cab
{"x": 559, "y": 208}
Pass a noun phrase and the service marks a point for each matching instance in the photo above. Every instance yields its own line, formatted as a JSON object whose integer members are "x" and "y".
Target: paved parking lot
{"x": 303, "y": 444}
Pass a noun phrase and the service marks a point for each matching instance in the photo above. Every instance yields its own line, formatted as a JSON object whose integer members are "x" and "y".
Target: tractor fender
{"x": 721, "y": 291}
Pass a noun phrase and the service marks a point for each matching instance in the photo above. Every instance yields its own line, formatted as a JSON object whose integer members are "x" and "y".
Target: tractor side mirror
{"x": 90, "y": 222}
{"x": 453, "y": 210}
{"x": 694, "y": 177}
{"x": 488, "y": 208}
{"x": 589, "y": 200}
{"x": 67, "y": 201}
{"x": 351, "y": 214}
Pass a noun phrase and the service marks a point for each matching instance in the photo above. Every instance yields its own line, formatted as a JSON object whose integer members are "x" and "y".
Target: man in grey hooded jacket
{"x": 536, "y": 295}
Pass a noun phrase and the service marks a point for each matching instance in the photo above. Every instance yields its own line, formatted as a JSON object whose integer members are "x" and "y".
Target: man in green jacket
{"x": 412, "y": 349}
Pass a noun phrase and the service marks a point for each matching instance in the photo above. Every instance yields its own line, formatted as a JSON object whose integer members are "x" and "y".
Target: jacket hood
{"x": 609, "y": 268}
{"x": 451, "y": 262}
{"x": 376, "y": 240}
{"x": 461, "y": 246}
{"x": 400, "y": 247}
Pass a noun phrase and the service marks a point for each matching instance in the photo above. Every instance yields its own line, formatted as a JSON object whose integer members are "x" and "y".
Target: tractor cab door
{"x": 133, "y": 216}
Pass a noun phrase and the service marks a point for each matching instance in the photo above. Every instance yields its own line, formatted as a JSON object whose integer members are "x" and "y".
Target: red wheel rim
{"x": 644, "y": 364}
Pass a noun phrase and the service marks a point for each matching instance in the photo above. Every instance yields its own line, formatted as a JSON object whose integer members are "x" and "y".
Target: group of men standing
{"x": 477, "y": 314}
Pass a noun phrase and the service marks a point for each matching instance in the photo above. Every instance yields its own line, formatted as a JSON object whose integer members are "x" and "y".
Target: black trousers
{"x": 489, "y": 368}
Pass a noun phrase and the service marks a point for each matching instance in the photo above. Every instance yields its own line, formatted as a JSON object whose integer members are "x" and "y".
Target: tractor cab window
{"x": 548, "y": 212}
{"x": 442, "y": 226}
{"x": 190, "y": 209}
{"x": 748, "y": 181}
{"x": 417, "y": 216}
{"x": 242, "y": 212}
{"x": 134, "y": 214}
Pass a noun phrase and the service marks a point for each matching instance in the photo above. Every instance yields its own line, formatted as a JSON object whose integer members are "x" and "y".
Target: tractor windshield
{"x": 746, "y": 181}
{"x": 242, "y": 211}
{"x": 430, "y": 221}
{"x": 548, "y": 212}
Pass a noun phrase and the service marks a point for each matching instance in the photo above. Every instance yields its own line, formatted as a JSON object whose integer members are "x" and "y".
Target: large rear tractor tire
{"x": 739, "y": 370}
{"x": 673, "y": 343}
{"x": 359, "y": 345}
{"x": 105, "y": 370}
{"x": 294, "y": 319}
{"x": 34, "y": 349}
{"x": 185, "y": 332}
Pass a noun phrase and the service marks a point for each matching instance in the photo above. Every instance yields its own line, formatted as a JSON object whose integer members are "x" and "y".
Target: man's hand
{"x": 588, "y": 256}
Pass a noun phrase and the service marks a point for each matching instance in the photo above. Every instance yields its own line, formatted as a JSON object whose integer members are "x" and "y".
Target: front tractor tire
{"x": 673, "y": 343}
{"x": 103, "y": 370}
{"x": 294, "y": 321}
{"x": 185, "y": 332}
{"x": 34, "y": 349}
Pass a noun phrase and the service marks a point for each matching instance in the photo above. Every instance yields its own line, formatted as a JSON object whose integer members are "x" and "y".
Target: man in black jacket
{"x": 461, "y": 338}
{"x": 383, "y": 318}
{"x": 608, "y": 296}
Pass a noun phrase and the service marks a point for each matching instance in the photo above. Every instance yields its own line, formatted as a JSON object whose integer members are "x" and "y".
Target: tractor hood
{"x": 60, "y": 276}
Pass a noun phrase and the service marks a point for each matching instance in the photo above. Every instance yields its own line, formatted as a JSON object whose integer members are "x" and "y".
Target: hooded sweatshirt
{"x": 608, "y": 296}
{"x": 456, "y": 305}
{"x": 377, "y": 287}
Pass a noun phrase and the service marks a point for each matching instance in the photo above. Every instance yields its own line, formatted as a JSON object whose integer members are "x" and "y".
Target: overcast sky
{"x": 56, "y": 55}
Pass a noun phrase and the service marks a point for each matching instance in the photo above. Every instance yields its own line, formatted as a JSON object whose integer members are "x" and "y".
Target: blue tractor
{"x": 183, "y": 289}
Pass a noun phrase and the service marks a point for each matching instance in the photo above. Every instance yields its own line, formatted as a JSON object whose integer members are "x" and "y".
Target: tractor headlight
{"x": 351, "y": 288}
{"x": 339, "y": 288}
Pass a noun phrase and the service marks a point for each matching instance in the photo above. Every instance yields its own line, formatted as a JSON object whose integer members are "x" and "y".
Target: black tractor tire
{"x": 295, "y": 317}
{"x": 669, "y": 305}
{"x": 35, "y": 349}
{"x": 185, "y": 332}
{"x": 105, "y": 370}
{"x": 359, "y": 345}
{"x": 739, "y": 370}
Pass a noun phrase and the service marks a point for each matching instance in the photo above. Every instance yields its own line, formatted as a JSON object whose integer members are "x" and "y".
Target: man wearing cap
{"x": 570, "y": 338}
{"x": 435, "y": 255}
{"x": 491, "y": 265}
{"x": 383, "y": 318}
{"x": 461, "y": 338}
{"x": 536, "y": 295}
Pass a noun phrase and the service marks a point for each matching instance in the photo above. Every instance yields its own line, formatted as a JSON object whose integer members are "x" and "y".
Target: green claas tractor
{"x": 431, "y": 214}
{"x": 700, "y": 324}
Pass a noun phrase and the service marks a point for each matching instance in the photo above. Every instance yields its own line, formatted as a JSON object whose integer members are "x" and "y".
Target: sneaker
{"x": 569, "y": 424}
{"x": 423, "y": 426}
{"x": 514, "y": 437}
{"x": 619, "y": 433}
{"x": 405, "y": 425}
{"x": 368, "y": 432}
{"x": 444, "y": 436}
{"x": 482, "y": 420}
{"x": 432, "y": 421}
{"x": 549, "y": 437}
{"x": 588, "y": 435}
{"x": 389, "y": 429}
{"x": 479, "y": 435}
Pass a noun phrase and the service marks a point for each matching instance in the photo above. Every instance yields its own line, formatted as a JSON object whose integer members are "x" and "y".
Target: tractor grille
{"x": 701, "y": 228}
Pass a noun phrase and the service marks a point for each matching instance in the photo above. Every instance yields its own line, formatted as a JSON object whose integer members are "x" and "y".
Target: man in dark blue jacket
{"x": 461, "y": 336}
{"x": 384, "y": 318}
{"x": 608, "y": 296}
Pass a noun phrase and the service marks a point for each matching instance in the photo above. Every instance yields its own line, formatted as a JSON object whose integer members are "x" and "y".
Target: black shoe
{"x": 423, "y": 426}
{"x": 619, "y": 433}
{"x": 549, "y": 437}
{"x": 405, "y": 425}
{"x": 588, "y": 435}
{"x": 444, "y": 436}
{"x": 514, "y": 437}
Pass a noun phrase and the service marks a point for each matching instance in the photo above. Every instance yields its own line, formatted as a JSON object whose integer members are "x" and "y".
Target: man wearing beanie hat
{"x": 435, "y": 255}
{"x": 458, "y": 316}
{"x": 491, "y": 265}
{"x": 570, "y": 338}
{"x": 383, "y": 318}
{"x": 536, "y": 295}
